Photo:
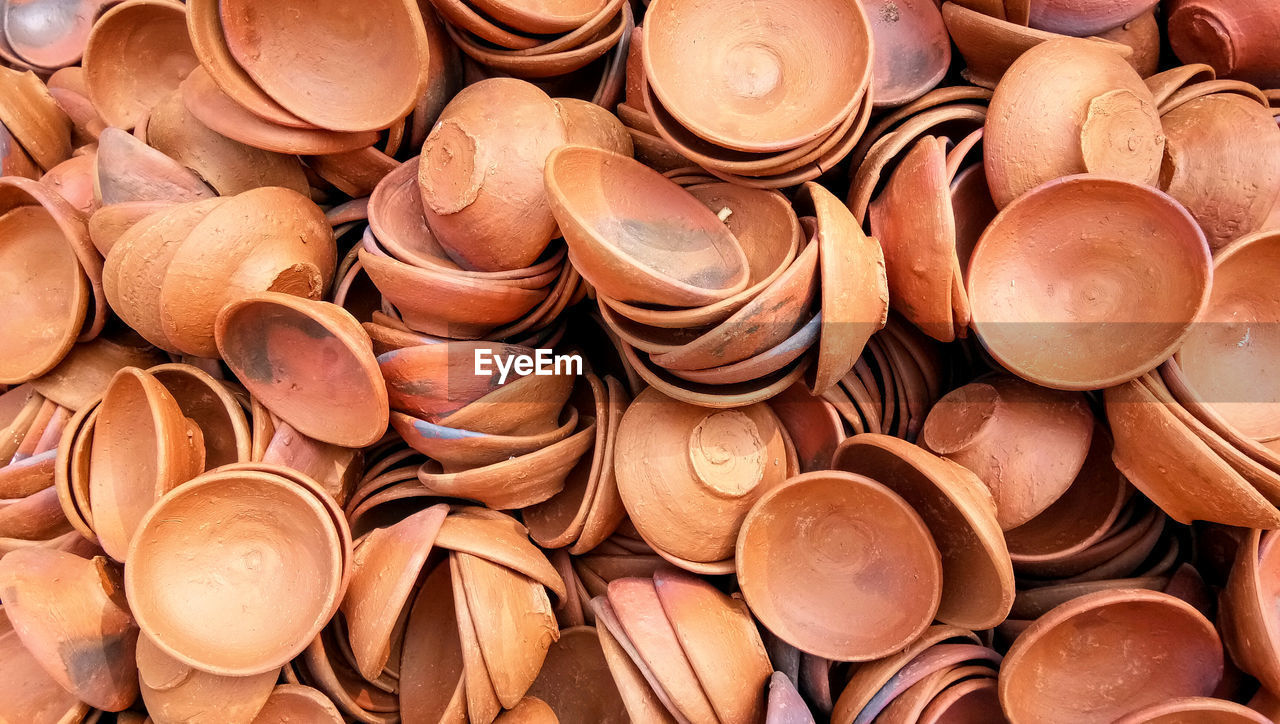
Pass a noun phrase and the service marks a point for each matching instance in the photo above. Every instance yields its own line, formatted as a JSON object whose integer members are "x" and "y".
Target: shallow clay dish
{"x": 687, "y": 475}
{"x": 1044, "y": 124}
{"x": 1248, "y": 618}
{"x": 1058, "y": 296}
{"x": 1193, "y": 709}
{"x": 1226, "y": 359}
{"x": 1230, "y": 35}
{"x": 293, "y": 702}
{"x": 826, "y": 597}
{"x": 638, "y": 237}
{"x": 138, "y": 52}
{"x": 763, "y": 87}
{"x": 1108, "y": 654}
{"x": 257, "y": 540}
{"x": 575, "y": 680}
{"x": 323, "y": 70}
{"x": 302, "y": 358}
{"x": 175, "y": 692}
{"x": 961, "y": 517}
{"x": 1078, "y": 19}
{"x": 899, "y": 76}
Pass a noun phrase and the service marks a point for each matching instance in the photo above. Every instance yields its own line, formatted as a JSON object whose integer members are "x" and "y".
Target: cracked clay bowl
{"x": 1074, "y": 299}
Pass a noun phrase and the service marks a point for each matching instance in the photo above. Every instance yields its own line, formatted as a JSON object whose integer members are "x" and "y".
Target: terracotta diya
{"x": 1086, "y": 18}
{"x": 961, "y": 518}
{"x": 36, "y": 124}
{"x": 1229, "y": 35}
{"x": 761, "y": 72}
{"x": 137, "y": 53}
{"x": 691, "y": 505}
{"x": 481, "y": 174}
{"x": 260, "y": 539}
{"x": 1061, "y": 310}
{"x": 1248, "y": 620}
{"x": 142, "y": 448}
{"x": 638, "y": 237}
{"x": 808, "y": 585}
{"x": 71, "y": 616}
{"x": 292, "y": 702}
{"x": 1026, "y": 443}
{"x": 1101, "y": 119}
{"x": 900, "y": 75}
{"x": 363, "y": 87}
{"x": 1109, "y": 654}
{"x": 175, "y": 692}
{"x": 575, "y": 681}
{"x": 262, "y": 337}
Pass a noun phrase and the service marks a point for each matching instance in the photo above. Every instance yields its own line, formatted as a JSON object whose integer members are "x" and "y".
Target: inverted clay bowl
{"x": 1107, "y": 654}
{"x": 30, "y": 694}
{"x": 1044, "y": 124}
{"x": 912, "y": 50}
{"x": 1230, "y": 35}
{"x": 1078, "y": 19}
{"x": 1084, "y": 312}
{"x": 257, "y": 540}
{"x": 1226, "y": 360}
{"x": 766, "y": 83}
{"x": 142, "y": 448}
{"x": 1195, "y": 709}
{"x": 481, "y": 174}
{"x": 1025, "y": 442}
{"x": 137, "y": 54}
{"x": 688, "y": 475}
{"x": 961, "y": 517}
{"x": 542, "y": 19}
{"x": 1222, "y": 161}
{"x": 432, "y": 380}
{"x": 638, "y": 237}
{"x": 175, "y": 692}
{"x": 322, "y": 69}
{"x": 70, "y": 615}
{"x": 575, "y": 680}
{"x": 303, "y": 359}
{"x": 812, "y": 588}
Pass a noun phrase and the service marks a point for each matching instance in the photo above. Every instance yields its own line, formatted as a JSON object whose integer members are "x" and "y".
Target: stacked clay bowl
{"x": 33, "y": 426}
{"x": 37, "y": 132}
{"x": 769, "y": 110}
{"x": 724, "y": 308}
{"x": 677, "y": 647}
{"x": 527, "y": 40}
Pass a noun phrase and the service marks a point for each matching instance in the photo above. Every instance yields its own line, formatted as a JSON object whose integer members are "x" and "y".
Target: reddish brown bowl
{"x": 137, "y": 54}
{"x": 1058, "y": 296}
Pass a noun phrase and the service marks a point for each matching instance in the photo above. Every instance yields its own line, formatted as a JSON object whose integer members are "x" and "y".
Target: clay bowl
{"x": 992, "y": 426}
{"x": 42, "y": 333}
{"x": 458, "y": 450}
{"x": 744, "y": 383}
{"x": 960, "y": 516}
{"x": 204, "y": 24}
{"x": 229, "y": 167}
{"x": 224, "y": 259}
{"x": 137, "y": 53}
{"x": 1103, "y": 121}
{"x": 1230, "y": 36}
{"x": 988, "y": 43}
{"x": 1091, "y": 343}
{"x": 923, "y": 671}
{"x": 515, "y": 482}
{"x": 813, "y": 424}
{"x": 1079, "y": 518}
{"x": 733, "y": 457}
{"x": 588, "y": 124}
{"x": 548, "y": 19}
{"x": 212, "y": 405}
{"x": 778, "y": 51}
{"x": 67, "y": 611}
{"x": 462, "y": 15}
{"x": 1249, "y": 624}
{"x": 605, "y": 205}
{"x": 1217, "y": 360}
{"x": 173, "y": 691}
{"x": 768, "y": 320}
{"x": 643, "y": 700}
{"x": 804, "y": 582}
{"x": 1196, "y": 707}
{"x": 437, "y": 302}
{"x": 900, "y": 77}
{"x": 73, "y": 181}
{"x": 491, "y": 221}
{"x": 854, "y": 289}
{"x": 29, "y": 692}
{"x": 293, "y": 702}
{"x": 432, "y": 380}
{"x": 274, "y": 523}
{"x": 50, "y": 34}
{"x": 769, "y": 233}
{"x": 142, "y": 448}
{"x": 1081, "y": 19}
{"x": 109, "y": 223}
{"x": 1143, "y": 35}
{"x": 223, "y": 114}
{"x": 1166, "y": 83}
{"x": 1198, "y": 139}
{"x": 527, "y": 406}
{"x": 84, "y": 373}
{"x": 551, "y": 62}
{"x": 374, "y": 600}
{"x": 262, "y": 337}
{"x": 391, "y": 76}
{"x": 33, "y": 119}
{"x": 1169, "y": 650}
{"x": 575, "y": 681}
{"x": 129, "y": 170}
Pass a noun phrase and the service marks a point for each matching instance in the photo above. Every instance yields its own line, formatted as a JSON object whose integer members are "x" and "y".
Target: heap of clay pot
{"x": 597, "y": 361}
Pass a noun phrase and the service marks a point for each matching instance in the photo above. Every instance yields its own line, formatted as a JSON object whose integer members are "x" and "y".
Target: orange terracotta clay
{"x": 138, "y": 52}
{"x": 1230, "y": 35}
